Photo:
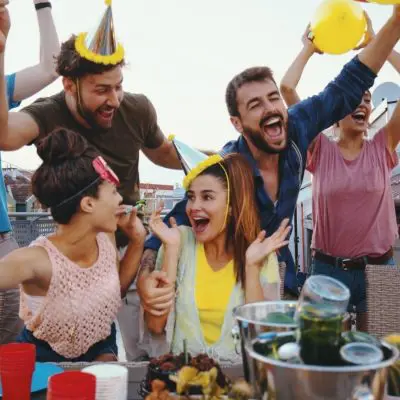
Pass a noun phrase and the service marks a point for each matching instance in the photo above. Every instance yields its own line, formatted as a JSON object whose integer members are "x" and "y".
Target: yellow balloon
{"x": 338, "y": 26}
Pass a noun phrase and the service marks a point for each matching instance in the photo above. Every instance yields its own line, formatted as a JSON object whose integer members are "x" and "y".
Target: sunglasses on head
{"x": 104, "y": 171}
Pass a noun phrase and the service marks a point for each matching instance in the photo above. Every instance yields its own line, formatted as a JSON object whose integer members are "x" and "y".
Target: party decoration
{"x": 100, "y": 46}
{"x": 338, "y": 26}
{"x": 193, "y": 161}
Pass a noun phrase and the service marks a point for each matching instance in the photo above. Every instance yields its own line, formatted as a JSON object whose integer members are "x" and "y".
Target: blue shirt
{"x": 305, "y": 121}
{"x": 4, "y": 221}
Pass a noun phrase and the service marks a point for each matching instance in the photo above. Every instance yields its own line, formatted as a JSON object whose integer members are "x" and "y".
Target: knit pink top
{"x": 80, "y": 304}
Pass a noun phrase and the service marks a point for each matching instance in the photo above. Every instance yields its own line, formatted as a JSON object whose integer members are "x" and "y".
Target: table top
{"x": 137, "y": 372}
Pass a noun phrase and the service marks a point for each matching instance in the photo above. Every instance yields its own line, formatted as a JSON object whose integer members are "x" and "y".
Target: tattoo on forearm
{"x": 148, "y": 261}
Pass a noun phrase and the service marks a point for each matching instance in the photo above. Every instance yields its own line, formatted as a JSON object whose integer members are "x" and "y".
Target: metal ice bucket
{"x": 255, "y": 316}
{"x": 278, "y": 380}
{"x": 252, "y": 320}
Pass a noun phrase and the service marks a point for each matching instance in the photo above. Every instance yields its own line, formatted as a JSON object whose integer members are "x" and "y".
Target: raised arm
{"x": 393, "y": 129}
{"x": 33, "y": 79}
{"x": 293, "y": 75}
{"x": 153, "y": 243}
{"x": 257, "y": 256}
{"x": 394, "y": 59}
{"x": 344, "y": 94}
{"x": 168, "y": 259}
{"x": 378, "y": 50}
{"x": 20, "y": 128}
{"x": 171, "y": 239}
{"x": 129, "y": 264}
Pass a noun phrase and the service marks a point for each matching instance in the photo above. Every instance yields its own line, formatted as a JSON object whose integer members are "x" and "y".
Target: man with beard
{"x": 93, "y": 103}
{"x": 275, "y": 141}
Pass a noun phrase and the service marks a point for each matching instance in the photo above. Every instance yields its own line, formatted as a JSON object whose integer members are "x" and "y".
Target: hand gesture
{"x": 307, "y": 40}
{"x": 157, "y": 294}
{"x": 169, "y": 236}
{"x": 4, "y": 24}
{"x": 369, "y": 33}
{"x": 131, "y": 225}
{"x": 260, "y": 249}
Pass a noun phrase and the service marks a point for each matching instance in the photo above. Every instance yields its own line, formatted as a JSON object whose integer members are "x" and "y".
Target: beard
{"x": 258, "y": 141}
{"x": 89, "y": 116}
{"x": 256, "y": 137}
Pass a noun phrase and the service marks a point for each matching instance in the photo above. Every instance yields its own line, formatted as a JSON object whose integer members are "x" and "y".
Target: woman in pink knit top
{"x": 72, "y": 281}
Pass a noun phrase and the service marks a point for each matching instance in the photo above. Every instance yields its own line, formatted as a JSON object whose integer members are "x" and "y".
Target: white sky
{"x": 182, "y": 54}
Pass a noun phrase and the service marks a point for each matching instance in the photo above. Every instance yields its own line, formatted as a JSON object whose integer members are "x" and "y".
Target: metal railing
{"x": 27, "y": 226}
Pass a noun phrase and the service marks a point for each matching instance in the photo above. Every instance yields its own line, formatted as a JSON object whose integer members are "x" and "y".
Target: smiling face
{"x": 356, "y": 123}
{"x": 206, "y": 207}
{"x": 262, "y": 116}
{"x": 100, "y": 96}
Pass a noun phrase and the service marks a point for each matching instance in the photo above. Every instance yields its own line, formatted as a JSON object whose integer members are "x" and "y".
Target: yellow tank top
{"x": 213, "y": 290}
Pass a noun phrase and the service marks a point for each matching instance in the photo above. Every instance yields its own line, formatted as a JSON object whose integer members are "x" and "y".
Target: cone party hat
{"x": 193, "y": 161}
{"x": 100, "y": 46}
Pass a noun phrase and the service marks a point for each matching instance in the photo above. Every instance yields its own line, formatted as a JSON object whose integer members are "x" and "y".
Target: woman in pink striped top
{"x": 354, "y": 219}
{"x": 71, "y": 281}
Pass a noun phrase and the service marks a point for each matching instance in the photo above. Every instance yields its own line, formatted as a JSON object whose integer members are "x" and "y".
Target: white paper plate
{"x": 107, "y": 371}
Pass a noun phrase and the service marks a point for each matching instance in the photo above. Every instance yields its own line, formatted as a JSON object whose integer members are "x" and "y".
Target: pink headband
{"x": 105, "y": 173}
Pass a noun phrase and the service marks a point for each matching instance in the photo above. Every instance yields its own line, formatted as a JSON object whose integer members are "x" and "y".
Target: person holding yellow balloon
{"x": 339, "y": 26}
{"x": 354, "y": 219}
{"x": 293, "y": 75}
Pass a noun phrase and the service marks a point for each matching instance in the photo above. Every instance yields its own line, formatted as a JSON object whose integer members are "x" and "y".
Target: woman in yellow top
{"x": 220, "y": 262}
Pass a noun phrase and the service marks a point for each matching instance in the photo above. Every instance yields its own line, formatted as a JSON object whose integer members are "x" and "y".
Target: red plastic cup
{"x": 72, "y": 385}
{"x": 17, "y": 363}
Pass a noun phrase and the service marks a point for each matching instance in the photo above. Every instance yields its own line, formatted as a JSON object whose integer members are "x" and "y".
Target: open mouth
{"x": 106, "y": 114}
{"x": 273, "y": 127}
{"x": 359, "y": 116}
{"x": 200, "y": 224}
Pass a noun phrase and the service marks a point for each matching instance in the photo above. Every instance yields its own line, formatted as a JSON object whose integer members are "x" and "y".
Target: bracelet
{"x": 39, "y": 6}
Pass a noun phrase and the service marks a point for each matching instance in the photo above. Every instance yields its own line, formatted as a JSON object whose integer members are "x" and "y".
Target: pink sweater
{"x": 81, "y": 303}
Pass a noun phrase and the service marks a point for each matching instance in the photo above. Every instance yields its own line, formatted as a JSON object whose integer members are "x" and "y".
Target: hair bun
{"x": 61, "y": 145}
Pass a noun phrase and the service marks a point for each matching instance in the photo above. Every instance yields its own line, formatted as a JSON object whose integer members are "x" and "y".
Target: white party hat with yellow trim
{"x": 100, "y": 46}
{"x": 193, "y": 161}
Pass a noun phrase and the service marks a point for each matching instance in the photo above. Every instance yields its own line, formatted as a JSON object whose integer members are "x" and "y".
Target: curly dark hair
{"x": 71, "y": 65}
{"x": 254, "y": 74}
{"x": 66, "y": 170}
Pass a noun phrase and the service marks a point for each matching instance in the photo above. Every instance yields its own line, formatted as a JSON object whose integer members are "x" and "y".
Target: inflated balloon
{"x": 338, "y": 26}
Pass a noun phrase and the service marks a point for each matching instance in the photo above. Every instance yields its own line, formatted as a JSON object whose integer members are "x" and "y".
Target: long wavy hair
{"x": 243, "y": 222}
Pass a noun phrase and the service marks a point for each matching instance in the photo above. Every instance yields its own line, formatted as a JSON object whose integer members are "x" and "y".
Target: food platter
{"x": 183, "y": 376}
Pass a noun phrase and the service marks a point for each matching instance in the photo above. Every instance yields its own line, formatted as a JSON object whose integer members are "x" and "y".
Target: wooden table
{"x": 137, "y": 372}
